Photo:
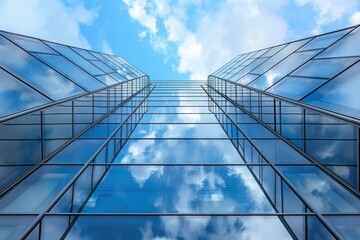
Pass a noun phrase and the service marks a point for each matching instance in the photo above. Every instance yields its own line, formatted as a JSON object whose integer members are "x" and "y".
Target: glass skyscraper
{"x": 266, "y": 148}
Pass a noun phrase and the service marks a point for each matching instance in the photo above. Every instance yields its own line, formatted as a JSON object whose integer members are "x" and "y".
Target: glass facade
{"x": 267, "y": 146}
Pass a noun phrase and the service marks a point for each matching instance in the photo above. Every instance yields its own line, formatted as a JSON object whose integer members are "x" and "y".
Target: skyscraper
{"x": 267, "y": 147}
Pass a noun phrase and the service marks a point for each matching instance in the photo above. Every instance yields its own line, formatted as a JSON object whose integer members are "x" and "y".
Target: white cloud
{"x": 328, "y": 11}
{"x": 106, "y": 47}
{"x": 355, "y": 18}
{"x": 47, "y": 19}
{"x": 215, "y": 38}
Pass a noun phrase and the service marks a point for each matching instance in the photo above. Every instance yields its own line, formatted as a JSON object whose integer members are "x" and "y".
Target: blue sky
{"x": 176, "y": 39}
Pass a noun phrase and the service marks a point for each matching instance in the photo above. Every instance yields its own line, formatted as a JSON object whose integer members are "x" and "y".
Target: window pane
{"x": 37, "y": 191}
{"x": 340, "y": 94}
{"x": 71, "y": 71}
{"x": 324, "y": 40}
{"x": 282, "y": 69}
{"x": 326, "y": 68}
{"x": 102, "y": 66}
{"x": 76, "y": 58}
{"x": 29, "y": 44}
{"x": 295, "y": 87}
{"x": 17, "y": 96}
{"x": 84, "y": 53}
{"x": 35, "y": 73}
{"x": 107, "y": 79}
{"x": 279, "y": 56}
{"x": 345, "y": 47}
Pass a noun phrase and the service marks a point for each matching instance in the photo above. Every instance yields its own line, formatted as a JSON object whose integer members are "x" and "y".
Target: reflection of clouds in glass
{"x": 142, "y": 174}
{"x": 244, "y": 175}
{"x": 18, "y": 59}
{"x": 270, "y": 76}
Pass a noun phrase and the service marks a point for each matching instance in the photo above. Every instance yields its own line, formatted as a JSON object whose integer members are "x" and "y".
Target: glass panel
{"x": 247, "y": 78}
{"x": 282, "y": 69}
{"x": 102, "y": 66}
{"x": 320, "y": 191}
{"x": 179, "y": 131}
{"x": 119, "y": 77}
{"x": 30, "y": 44}
{"x": 84, "y": 53}
{"x": 16, "y": 96}
{"x": 178, "y": 151}
{"x": 273, "y": 50}
{"x": 345, "y": 47}
{"x": 246, "y": 70}
{"x": 324, "y": 41}
{"x": 340, "y": 94}
{"x": 71, "y": 71}
{"x": 170, "y": 189}
{"x": 347, "y": 226}
{"x": 79, "y": 151}
{"x": 76, "y": 58}
{"x": 279, "y": 56}
{"x": 107, "y": 79}
{"x": 35, "y": 73}
{"x": 295, "y": 87}
{"x": 13, "y": 227}
{"x": 326, "y": 68}
{"x": 37, "y": 191}
{"x": 177, "y": 227}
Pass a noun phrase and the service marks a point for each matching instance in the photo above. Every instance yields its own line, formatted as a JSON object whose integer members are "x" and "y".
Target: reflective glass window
{"x": 345, "y": 47}
{"x": 279, "y": 56}
{"x": 84, "y": 53}
{"x": 340, "y": 94}
{"x": 37, "y": 191}
{"x": 282, "y": 69}
{"x": 76, "y": 58}
{"x": 30, "y": 44}
{"x": 102, "y": 66}
{"x": 35, "y": 73}
{"x": 108, "y": 80}
{"x": 324, "y": 41}
{"x": 295, "y": 87}
{"x": 71, "y": 71}
{"x": 17, "y": 96}
{"x": 323, "y": 68}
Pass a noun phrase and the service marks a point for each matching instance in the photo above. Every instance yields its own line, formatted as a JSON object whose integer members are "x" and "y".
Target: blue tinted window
{"x": 18, "y": 96}
{"x": 102, "y": 66}
{"x": 279, "y": 56}
{"x": 37, "y": 191}
{"x": 35, "y": 73}
{"x": 282, "y": 69}
{"x": 324, "y": 41}
{"x": 324, "y": 68}
{"x": 76, "y": 58}
{"x": 295, "y": 87}
{"x": 84, "y": 53}
{"x": 30, "y": 44}
{"x": 345, "y": 47}
{"x": 71, "y": 71}
{"x": 340, "y": 94}
{"x": 107, "y": 79}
